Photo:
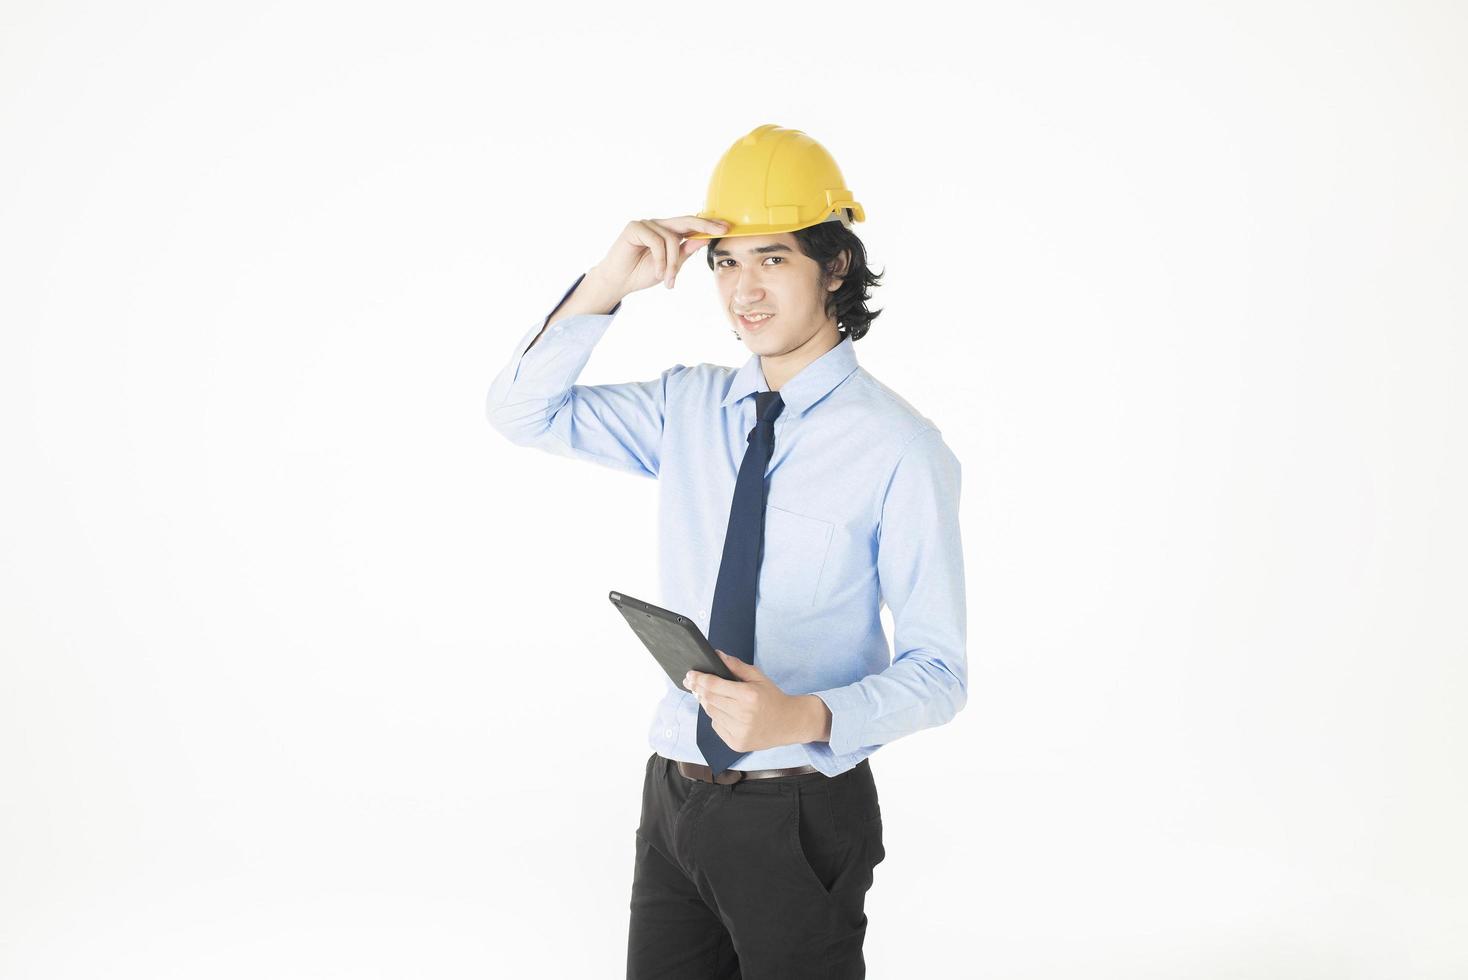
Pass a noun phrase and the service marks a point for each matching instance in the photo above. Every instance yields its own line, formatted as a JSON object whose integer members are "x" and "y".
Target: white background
{"x": 307, "y": 672}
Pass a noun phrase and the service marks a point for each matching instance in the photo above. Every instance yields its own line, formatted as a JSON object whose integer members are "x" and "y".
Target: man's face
{"x": 770, "y": 274}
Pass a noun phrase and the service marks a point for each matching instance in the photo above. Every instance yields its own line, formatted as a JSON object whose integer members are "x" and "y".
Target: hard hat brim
{"x": 737, "y": 230}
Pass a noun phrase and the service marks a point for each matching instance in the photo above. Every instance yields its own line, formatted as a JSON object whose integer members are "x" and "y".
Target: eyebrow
{"x": 760, "y": 250}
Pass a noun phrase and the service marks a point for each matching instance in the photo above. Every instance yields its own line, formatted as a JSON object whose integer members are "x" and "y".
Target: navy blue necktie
{"x": 731, "y": 622}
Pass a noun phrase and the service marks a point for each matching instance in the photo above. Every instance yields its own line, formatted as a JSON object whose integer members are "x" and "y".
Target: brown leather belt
{"x": 700, "y": 773}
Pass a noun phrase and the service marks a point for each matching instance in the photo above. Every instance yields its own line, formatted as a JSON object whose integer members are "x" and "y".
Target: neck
{"x": 780, "y": 368}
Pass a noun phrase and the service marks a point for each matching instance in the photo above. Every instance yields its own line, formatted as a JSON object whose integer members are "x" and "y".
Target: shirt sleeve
{"x": 534, "y": 400}
{"x": 920, "y": 570}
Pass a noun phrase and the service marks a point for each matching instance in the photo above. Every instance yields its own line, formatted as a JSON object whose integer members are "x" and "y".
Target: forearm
{"x": 590, "y": 296}
{"x": 920, "y": 690}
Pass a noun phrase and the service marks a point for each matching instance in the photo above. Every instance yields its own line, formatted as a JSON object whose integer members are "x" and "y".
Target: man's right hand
{"x": 652, "y": 251}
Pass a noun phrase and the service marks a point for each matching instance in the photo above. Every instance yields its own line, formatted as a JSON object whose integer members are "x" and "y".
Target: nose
{"x": 747, "y": 292}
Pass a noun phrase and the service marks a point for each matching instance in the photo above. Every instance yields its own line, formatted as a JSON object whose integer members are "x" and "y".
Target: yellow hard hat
{"x": 774, "y": 180}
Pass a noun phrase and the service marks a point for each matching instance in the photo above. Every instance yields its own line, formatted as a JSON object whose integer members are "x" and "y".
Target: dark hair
{"x": 824, "y": 242}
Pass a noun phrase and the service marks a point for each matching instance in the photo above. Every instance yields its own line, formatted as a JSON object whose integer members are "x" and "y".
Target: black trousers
{"x": 762, "y": 879}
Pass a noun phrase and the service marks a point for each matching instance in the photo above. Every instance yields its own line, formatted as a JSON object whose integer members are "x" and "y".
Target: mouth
{"x": 756, "y": 322}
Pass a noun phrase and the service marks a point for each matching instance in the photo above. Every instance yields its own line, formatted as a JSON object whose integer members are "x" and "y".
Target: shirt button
{"x": 667, "y": 733}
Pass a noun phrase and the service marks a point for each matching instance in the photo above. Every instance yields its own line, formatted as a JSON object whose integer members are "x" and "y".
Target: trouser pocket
{"x": 818, "y": 853}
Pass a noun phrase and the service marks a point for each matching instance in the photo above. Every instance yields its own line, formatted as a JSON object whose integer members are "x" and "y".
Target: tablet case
{"x": 674, "y": 641}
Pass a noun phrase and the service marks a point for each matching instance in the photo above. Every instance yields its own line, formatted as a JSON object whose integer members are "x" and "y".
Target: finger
{"x": 657, "y": 246}
{"x": 692, "y": 223}
{"x": 711, "y": 702}
{"x": 670, "y": 250}
{"x": 661, "y": 251}
{"x": 719, "y": 715}
{"x": 708, "y": 685}
{"x": 686, "y": 250}
{"x": 698, "y": 682}
{"x": 716, "y": 686}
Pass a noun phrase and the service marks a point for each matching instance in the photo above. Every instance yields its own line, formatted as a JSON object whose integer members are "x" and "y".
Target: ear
{"x": 841, "y": 266}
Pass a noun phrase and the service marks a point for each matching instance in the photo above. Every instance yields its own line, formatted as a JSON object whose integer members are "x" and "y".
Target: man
{"x": 798, "y": 494}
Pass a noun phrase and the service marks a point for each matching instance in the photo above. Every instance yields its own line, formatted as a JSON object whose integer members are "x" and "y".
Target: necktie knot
{"x": 763, "y": 401}
{"x": 767, "y": 407}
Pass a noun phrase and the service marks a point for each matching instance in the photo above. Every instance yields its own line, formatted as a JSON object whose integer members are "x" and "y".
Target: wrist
{"x": 610, "y": 292}
{"x": 817, "y": 719}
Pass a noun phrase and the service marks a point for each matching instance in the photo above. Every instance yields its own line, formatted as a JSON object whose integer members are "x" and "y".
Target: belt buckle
{"x": 721, "y": 780}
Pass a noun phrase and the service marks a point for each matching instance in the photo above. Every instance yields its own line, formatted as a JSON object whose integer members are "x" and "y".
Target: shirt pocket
{"x": 794, "y": 556}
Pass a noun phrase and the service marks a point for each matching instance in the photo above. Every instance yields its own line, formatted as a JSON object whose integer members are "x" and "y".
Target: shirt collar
{"x": 813, "y": 383}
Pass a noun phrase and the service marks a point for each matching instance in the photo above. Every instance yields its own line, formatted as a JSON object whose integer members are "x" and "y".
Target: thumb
{"x": 736, "y": 665}
{"x": 686, "y": 250}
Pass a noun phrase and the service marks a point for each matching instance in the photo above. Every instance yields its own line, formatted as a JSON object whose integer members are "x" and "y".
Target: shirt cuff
{"x": 848, "y": 717}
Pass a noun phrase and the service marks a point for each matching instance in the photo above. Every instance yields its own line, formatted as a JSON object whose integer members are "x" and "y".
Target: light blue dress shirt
{"x": 862, "y": 510}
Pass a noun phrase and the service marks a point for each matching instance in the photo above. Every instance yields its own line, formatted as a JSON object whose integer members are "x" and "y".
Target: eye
{"x": 720, "y": 264}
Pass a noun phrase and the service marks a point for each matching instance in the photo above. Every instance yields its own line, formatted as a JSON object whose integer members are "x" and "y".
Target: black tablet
{"x": 674, "y": 641}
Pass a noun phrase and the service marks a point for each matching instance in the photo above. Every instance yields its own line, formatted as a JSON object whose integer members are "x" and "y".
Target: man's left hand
{"x": 749, "y": 713}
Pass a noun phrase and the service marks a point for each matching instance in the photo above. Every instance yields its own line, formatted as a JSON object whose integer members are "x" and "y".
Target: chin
{"x": 761, "y": 344}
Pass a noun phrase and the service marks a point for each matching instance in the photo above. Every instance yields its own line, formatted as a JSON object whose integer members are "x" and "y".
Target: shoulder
{"x": 912, "y": 449}
{"x": 696, "y": 379}
{"x": 895, "y": 424}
